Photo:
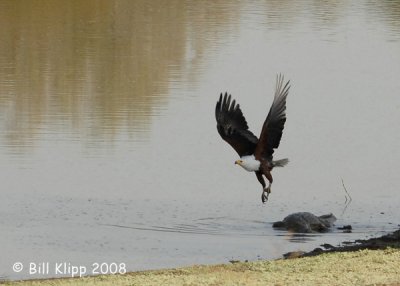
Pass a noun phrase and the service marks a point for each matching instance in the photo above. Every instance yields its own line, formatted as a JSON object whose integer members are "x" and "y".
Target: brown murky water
{"x": 108, "y": 145}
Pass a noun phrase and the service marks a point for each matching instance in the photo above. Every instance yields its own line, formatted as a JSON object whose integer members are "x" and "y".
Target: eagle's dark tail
{"x": 280, "y": 163}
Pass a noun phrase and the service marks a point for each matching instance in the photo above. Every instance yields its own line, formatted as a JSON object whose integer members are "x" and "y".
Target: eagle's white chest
{"x": 249, "y": 163}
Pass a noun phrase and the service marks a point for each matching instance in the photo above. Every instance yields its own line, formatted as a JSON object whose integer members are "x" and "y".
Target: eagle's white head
{"x": 249, "y": 163}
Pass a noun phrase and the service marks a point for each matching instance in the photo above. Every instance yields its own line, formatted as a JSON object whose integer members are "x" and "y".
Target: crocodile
{"x": 305, "y": 222}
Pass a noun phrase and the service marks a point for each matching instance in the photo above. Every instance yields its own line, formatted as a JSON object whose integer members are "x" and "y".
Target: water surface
{"x": 109, "y": 151}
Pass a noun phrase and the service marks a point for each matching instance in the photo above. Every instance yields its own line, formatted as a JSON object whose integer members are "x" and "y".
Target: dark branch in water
{"x": 348, "y": 195}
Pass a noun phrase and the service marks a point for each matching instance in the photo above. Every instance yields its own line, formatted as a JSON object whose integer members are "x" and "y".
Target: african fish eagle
{"x": 255, "y": 153}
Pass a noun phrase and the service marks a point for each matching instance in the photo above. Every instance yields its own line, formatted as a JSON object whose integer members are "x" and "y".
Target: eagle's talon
{"x": 264, "y": 198}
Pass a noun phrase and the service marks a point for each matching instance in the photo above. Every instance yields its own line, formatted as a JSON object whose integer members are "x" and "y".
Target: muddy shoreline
{"x": 382, "y": 242}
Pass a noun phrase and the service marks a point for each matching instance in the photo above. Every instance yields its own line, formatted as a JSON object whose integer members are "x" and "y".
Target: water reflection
{"x": 97, "y": 67}
{"x": 387, "y": 12}
{"x": 92, "y": 69}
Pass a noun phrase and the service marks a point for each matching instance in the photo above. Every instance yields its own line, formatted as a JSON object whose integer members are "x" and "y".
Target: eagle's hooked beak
{"x": 238, "y": 162}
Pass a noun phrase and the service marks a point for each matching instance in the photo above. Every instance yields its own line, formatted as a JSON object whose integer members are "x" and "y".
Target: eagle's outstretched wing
{"x": 271, "y": 132}
{"x": 232, "y": 126}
